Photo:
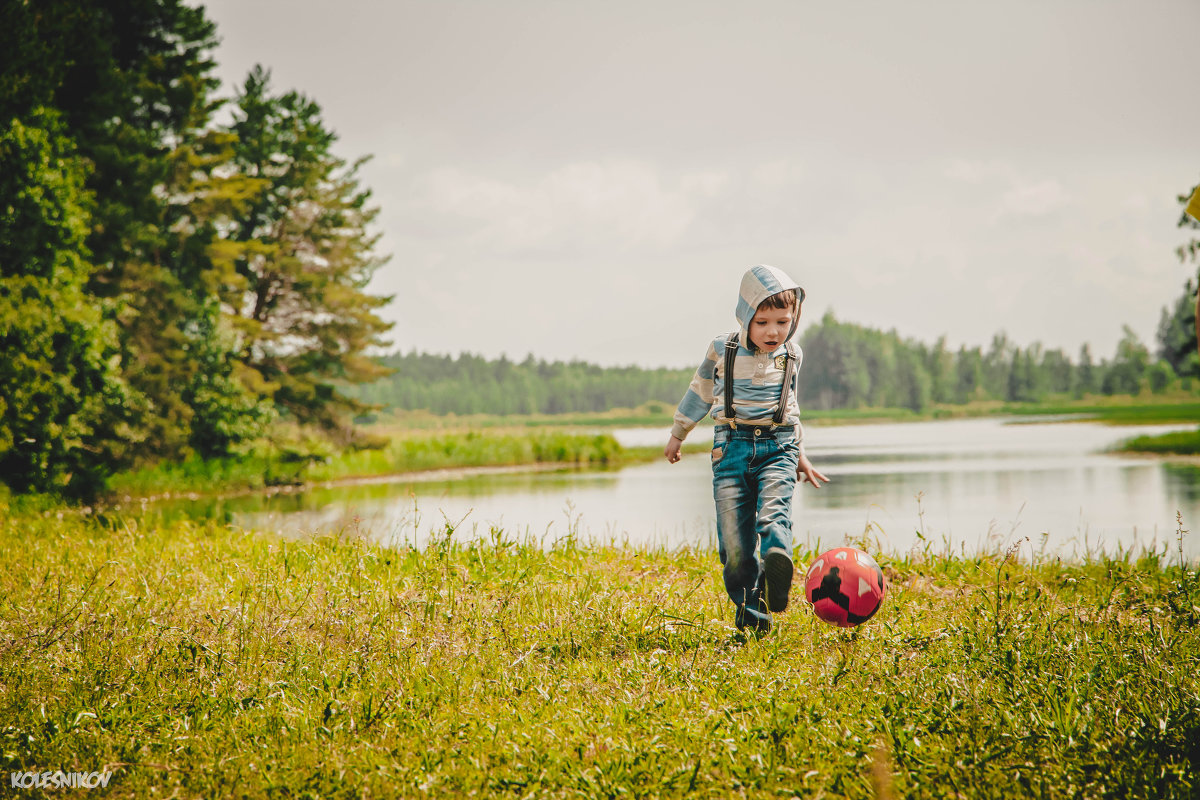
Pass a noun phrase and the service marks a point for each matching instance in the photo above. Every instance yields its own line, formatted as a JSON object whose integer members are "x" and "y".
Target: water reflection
{"x": 960, "y": 485}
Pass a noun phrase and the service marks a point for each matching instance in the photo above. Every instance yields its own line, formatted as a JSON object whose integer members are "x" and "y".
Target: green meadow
{"x": 196, "y": 660}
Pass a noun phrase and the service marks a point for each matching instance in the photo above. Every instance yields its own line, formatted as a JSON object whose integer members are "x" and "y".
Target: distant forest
{"x": 470, "y": 384}
{"x": 845, "y": 366}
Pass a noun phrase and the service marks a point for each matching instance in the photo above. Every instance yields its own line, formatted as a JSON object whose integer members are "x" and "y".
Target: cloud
{"x": 1007, "y": 191}
{"x": 610, "y": 205}
{"x": 1033, "y": 199}
{"x": 968, "y": 171}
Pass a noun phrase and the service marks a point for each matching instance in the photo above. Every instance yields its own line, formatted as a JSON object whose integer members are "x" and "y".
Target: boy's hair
{"x": 785, "y": 299}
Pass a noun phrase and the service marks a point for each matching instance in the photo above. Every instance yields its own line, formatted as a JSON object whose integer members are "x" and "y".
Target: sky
{"x": 589, "y": 180}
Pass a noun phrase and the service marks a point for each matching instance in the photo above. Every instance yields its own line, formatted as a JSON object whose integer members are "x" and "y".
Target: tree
{"x": 1086, "y": 380}
{"x": 1190, "y": 250}
{"x": 939, "y": 362}
{"x": 968, "y": 375}
{"x": 1020, "y": 378}
{"x": 1159, "y": 376}
{"x": 912, "y": 379}
{"x": 131, "y": 80}
{"x": 834, "y": 374}
{"x": 1177, "y": 333}
{"x": 997, "y": 365}
{"x": 1129, "y": 366}
{"x": 1058, "y": 374}
{"x": 293, "y": 265}
{"x": 60, "y": 397}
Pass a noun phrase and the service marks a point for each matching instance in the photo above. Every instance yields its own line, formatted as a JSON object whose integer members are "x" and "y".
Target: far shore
{"x": 413, "y": 476}
{"x": 646, "y": 454}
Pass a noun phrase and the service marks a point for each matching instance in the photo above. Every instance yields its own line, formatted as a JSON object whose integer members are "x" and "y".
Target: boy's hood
{"x": 759, "y": 283}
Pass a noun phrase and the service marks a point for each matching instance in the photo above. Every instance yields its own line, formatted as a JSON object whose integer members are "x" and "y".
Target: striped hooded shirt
{"x": 757, "y": 375}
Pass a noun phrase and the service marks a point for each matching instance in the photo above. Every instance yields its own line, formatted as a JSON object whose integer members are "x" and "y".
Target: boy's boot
{"x": 777, "y": 575}
{"x": 753, "y": 615}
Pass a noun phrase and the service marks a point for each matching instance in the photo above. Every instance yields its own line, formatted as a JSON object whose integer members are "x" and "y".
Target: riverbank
{"x": 389, "y": 458}
{"x": 1179, "y": 443}
{"x": 200, "y": 660}
{"x": 421, "y": 442}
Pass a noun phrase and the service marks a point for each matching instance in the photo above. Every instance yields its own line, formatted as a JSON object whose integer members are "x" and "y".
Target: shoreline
{"x": 415, "y": 476}
{"x": 452, "y": 473}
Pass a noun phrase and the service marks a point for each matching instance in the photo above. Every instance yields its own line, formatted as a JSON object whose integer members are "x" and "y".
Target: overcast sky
{"x": 590, "y": 179}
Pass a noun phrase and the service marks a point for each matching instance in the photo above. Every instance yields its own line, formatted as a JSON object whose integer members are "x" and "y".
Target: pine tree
{"x": 968, "y": 373}
{"x": 1058, "y": 374}
{"x": 1177, "y": 333}
{"x": 293, "y": 267}
{"x": 1086, "y": 378}
{"x": 1129, "y": 366}
{"x": 132, "y": 81}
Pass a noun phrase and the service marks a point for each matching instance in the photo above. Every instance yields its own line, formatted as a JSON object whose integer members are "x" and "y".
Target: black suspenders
{"x": 731, "y": 348}
{"x": 789, "y": 377}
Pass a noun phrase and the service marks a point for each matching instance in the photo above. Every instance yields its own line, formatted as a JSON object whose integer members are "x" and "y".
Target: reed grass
{"x": 196, "y": 660}
{"x": 1186, "y": 443}
{"x": 415, "y": 452}
{"x": 417, "y": 441}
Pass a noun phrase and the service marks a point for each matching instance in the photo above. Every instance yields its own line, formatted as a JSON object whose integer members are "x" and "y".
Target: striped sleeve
{"x": 698, "y": 399}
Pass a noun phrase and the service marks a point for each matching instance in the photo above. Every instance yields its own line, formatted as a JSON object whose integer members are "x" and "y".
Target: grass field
{"x": 194, "y": 660}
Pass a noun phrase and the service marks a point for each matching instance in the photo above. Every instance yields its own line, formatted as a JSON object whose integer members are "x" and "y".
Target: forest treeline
{"x": 169, "y": 285}
{"x": 471, "y": 384}
{"x": 845, "y": 366}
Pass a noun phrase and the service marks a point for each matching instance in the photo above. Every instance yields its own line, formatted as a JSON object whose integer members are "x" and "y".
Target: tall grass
{"x": 418, "y": 441}
{"x": 409, "y": 453}
{"x": 197, "y": 660}
{"x": 1178, "y": 443}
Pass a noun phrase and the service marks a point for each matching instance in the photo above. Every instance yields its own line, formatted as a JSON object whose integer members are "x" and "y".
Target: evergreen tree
{"x": 1129, "y": 366}
{"x": 295, "y": 262}
{"x": 128, "y": 78}
{"x": 1018, "y": 389}
{"x": 1177, "y": 333}
{"x": 60, "y": 397}
{"x": 132, "y": 82}
{"x": 968, "y": 374}
{"x": 1159, "y": 377}
{"x": 939, "y": 362}
{"x": 834, "y": 375}
{"x": 1189, "y": 250}
{"x": 913, "y": 384}
{"x": 1058, "y": 374}
{"x": 1086, "y": 378}
{"x": 1039, "y": 379}
{"x": 997, "y": 365}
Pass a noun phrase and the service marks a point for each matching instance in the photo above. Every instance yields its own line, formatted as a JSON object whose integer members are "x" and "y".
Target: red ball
{"x": 845, "y": 586}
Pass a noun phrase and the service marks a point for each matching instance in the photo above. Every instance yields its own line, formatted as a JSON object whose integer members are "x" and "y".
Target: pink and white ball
{"x": 845, "y": 586}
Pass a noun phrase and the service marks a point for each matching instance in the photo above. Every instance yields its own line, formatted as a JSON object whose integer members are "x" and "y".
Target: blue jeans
{"x": 754, "y": 478}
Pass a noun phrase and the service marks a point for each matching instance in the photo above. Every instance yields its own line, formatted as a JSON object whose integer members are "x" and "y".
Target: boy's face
{"x": 770, "y": 327}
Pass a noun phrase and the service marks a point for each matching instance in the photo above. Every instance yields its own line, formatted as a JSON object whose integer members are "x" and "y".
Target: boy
{"x": 758, "y": 450}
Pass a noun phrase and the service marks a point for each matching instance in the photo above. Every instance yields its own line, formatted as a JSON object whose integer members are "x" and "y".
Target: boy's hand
{"x": 805, "y": 471}
{"x": 672, "y": 450}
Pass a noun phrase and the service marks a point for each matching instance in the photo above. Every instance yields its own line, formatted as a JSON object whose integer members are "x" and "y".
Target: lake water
{"x": 963, "y": 485}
